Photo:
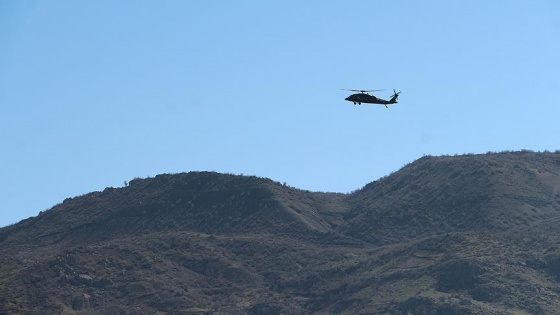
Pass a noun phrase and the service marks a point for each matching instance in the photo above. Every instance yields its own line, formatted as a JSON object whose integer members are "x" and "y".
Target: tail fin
{"x": 394, "y": 98}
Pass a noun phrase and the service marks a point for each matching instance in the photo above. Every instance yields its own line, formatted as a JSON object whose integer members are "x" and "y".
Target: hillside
{"x": 493, "y": 192}
{"x": 471, "y": 234}
{"x": 198, "y": 201}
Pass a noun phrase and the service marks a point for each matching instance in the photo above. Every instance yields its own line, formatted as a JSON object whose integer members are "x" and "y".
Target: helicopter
{"x": 364, "y": 97}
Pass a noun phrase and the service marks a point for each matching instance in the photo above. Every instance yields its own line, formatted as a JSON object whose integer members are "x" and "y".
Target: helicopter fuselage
{"x": 360, "y": 98}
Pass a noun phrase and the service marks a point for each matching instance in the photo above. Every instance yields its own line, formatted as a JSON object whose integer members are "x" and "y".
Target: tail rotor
{"x": 395, "y": 96}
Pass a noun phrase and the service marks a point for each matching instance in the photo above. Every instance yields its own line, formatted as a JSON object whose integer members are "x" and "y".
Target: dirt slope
{"x": 472, "y": 234}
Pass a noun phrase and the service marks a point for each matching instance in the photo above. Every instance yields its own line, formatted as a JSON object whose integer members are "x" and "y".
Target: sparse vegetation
{"x": 465, "y": 234}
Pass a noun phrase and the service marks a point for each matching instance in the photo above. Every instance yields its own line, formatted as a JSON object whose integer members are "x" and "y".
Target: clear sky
{"x": 96, "y": 93}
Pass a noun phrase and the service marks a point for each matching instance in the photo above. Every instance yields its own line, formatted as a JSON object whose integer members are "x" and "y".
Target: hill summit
{"x": 468, "y": 234}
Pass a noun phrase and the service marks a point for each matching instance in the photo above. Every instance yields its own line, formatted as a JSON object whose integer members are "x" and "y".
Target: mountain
{"x": 478, "y": 193}
{"x": 469, "y": 234}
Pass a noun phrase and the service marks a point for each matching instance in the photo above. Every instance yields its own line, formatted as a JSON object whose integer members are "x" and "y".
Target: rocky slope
{"x": 472, "y": 234}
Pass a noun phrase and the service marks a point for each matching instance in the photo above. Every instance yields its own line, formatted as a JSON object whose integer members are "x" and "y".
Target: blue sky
{"x": 96, "y": 93}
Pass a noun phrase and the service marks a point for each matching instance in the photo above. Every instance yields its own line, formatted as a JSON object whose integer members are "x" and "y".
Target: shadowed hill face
{"x": 473, "y": 234}
{"x": 198, "y": 201}
{"x": 432, "y": 195}
{"x": 464, "y": 193}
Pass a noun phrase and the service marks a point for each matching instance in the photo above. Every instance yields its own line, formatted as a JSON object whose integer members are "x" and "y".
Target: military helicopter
{"x": 364, "y": 97}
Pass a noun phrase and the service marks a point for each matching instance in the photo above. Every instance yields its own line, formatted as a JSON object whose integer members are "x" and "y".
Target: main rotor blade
{"x": 362, "y": 90}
